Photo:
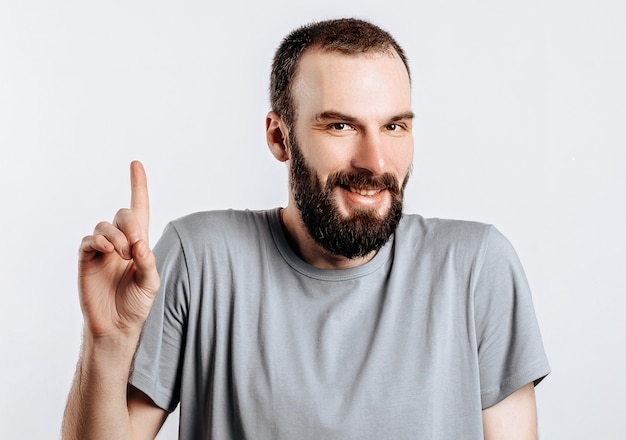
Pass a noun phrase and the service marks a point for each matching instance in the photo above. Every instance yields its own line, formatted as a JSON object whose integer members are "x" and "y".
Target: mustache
{"x": 361, "y": 179}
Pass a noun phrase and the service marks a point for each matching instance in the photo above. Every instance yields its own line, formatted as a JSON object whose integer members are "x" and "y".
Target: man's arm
{"x": 103, "y": 405}
{"x": 145, "y": 417}
{"x": 118, "y": 281}
{"x": 514, "y": 418}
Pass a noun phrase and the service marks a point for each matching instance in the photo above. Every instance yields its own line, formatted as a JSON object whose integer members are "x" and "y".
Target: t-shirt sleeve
{"x": 510, "y": 349}
{"x": 157, "y": 363}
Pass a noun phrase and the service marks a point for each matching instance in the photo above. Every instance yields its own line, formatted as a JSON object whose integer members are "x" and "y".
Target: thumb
{"x": 146, "y": 276}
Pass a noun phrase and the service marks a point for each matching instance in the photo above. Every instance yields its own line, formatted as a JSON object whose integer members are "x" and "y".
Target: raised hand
{"x": 117, "y": 274}
{"x": 118, "y": 281}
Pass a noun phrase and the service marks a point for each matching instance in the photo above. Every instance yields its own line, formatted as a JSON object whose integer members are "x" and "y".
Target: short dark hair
{"x": 346, "y": 35}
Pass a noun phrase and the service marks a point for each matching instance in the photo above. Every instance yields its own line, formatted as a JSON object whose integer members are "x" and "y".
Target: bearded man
{"x": 336, "y": 317}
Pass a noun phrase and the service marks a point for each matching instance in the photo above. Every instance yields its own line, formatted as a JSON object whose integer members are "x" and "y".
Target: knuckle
{"x": 87, "y": 239}
{"x": 122, "y": 213}
{"x": 100, "y": 227}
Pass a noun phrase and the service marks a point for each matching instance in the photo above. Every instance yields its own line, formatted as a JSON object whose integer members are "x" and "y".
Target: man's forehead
{"x": 319, "y": 67}
{"x": 370, "y": 81}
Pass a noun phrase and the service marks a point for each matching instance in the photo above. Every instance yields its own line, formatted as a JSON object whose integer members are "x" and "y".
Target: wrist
{"x": 110, "y": 355}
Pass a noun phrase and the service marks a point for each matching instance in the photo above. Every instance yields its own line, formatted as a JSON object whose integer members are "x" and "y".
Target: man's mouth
{"x": 368, "y": 192}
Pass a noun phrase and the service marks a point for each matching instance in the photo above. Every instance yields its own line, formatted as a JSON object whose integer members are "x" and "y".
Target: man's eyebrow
{"x": 333, "y": 115}
{"x": 403, "y": 116}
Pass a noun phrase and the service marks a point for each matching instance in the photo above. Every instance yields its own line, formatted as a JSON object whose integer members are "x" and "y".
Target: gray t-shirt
{"x": 254, "y": 343}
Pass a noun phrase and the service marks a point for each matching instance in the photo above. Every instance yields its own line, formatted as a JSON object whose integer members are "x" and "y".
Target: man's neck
{"x": 308, "y": 249}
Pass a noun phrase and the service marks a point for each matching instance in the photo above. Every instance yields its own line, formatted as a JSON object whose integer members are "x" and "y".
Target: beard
{"x": 364, "y": 230}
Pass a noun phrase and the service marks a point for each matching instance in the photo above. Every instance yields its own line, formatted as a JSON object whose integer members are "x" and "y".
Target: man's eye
{"x": 339, "y": 126}
{"x": 393, "y": 127}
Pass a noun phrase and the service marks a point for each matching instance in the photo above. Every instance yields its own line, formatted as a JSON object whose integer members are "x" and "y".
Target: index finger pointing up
{"x": 139, "y": 202}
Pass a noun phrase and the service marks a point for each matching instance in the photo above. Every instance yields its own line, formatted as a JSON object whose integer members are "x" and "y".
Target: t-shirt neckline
{"x": 301, "y": 266}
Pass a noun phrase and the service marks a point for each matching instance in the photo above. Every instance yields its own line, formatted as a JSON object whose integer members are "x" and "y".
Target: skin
{"x": 354, "y": 112}
{"x": 514, "y": 418}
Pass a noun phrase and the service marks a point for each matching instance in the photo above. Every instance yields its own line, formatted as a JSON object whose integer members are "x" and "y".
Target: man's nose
{"x": 369, "y": 154}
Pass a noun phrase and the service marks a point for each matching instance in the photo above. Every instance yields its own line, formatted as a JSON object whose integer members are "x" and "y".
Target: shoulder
{"x": 225, "y": 219}
{"x": 218, "y": 232}
{"x": 217, "y": 223}
{"x": 444, "y": 232}
{"x": 214, "y": 239}
{"x": 460, "y": 240}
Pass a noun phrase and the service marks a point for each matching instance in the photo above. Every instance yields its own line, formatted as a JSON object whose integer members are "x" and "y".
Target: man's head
{"x": 342, "y": 119}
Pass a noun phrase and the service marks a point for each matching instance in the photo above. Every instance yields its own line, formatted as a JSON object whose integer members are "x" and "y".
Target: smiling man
{"x": 336, "y": 317}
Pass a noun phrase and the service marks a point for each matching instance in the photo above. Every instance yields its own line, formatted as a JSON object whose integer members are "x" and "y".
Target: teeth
{"x": 364, "y": 191}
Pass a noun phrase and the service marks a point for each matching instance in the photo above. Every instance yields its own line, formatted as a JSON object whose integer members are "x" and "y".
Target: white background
{"x": 520, "y": 122}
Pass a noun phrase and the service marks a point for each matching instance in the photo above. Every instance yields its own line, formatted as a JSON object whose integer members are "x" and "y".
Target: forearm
{"x": 97, "y": 405}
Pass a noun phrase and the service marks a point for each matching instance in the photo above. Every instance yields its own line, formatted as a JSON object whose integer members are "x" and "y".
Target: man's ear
{"x": 277, "y": 136}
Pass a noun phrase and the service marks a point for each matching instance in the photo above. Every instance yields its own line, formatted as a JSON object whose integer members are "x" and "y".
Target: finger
{"x": 139, "y": 201}
{"x": 92, "y": 244}
{"x": 116, "y": 238}
{"x": 127, "y": 222}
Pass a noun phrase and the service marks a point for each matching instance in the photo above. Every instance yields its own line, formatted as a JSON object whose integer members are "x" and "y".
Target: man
{"x": 334, "y": 318}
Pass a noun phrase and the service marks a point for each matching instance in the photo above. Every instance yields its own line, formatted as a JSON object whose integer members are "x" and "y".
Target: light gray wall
{"x": 520, "y": 122}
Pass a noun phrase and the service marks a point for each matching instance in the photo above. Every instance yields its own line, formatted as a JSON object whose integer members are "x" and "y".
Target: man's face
{"x": 351, "y": 148}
